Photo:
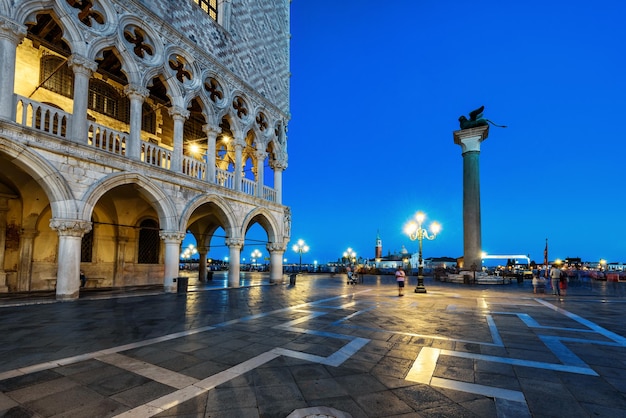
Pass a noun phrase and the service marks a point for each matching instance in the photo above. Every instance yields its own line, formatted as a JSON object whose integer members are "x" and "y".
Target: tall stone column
{"x": 11, "y": 34}
{"x": 172, "y": 240}
{"x": 469, "y": 140}
{"x": 234, "y": 260}
{"x": 70, "y": 232}
{"x": 211, "y": 152}
{"x": 278, "y": 168}
{"x": 276, "y": 251}
{"x": 238, "y": 166}
{"x": 136, "y": 95}
{"x": 180, "y": 116}
{"x": 83, "y": 69}
{"x": 202, "y": 266}
{"x": 25, "y": 267}
{"x": 260, "y": 174}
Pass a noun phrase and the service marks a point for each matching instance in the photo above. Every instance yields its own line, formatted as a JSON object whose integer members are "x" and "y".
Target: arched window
{"x": 56, "y": 76}
{"x": 149, "y": 242}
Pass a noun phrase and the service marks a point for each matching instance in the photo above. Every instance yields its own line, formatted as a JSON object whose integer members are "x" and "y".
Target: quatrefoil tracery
{"x": 137, "y": 37}
{"x": 240, "y": 107}
{"x": 178, "y": 65}
{"x": 87, "y": 12}
{"x": 213, "y": 88}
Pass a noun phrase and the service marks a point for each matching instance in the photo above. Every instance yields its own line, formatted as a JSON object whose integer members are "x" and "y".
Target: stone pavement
{"x": 320, "y": 348}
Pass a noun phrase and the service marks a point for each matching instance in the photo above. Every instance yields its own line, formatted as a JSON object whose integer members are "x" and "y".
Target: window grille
{"x": 56, "y": 76}
{"x": 209, "y": 7}
{"x": 86, "y": 248}
{"x": 148, "y": 119}
{"x": 104, "y": 99}
{"x": 149, "y": 242}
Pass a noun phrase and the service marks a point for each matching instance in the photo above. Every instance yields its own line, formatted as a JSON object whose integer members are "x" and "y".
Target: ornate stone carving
{"x": 234, "y": 242}
{"x": 170, "y": 236}
{"x": 70, "y": 227}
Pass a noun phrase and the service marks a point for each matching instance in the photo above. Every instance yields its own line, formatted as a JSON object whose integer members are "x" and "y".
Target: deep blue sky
{"x": 376, "y": 91}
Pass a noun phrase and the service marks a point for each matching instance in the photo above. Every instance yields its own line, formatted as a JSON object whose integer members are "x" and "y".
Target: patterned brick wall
{"x": 255, "y": 47}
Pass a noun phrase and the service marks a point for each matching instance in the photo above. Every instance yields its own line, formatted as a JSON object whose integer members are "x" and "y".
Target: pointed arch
{"x": 151, "y": 192}
{"x": 263, "y": 217}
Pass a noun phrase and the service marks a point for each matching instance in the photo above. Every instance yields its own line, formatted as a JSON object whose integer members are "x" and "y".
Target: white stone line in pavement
{"x": 520, "y": 362}
{"x": 151, "y": 371}
{"x": 493, "y": 329}
{"x": 173, "y": 399}
{"x": 88, "y": 356}
{"x": 597, "y": 328}
{"x": 424, "y": 367}
{"x": 530, "y": 322}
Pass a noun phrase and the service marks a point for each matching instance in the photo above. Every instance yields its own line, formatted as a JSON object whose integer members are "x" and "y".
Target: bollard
{"x": 292, "y": 279}
{"x": 182, "y": 284}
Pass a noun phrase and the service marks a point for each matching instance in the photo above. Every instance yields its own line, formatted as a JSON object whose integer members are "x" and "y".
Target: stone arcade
{"x": 125, "y": 124}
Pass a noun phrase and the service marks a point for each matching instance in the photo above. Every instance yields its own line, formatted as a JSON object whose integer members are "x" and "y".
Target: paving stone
{"x": 450, "y": 335}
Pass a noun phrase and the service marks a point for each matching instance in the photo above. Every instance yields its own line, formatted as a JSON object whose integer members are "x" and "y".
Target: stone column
{"x": 25, "y": 267}
{"x": 202, "y": 267}
{"x": 469, "y": 140}
{"x": 70, "y": 232}
{"x": 4, "y": 209}
{"x": 239, "y": 144}
{"x": 278, "y": 168}
{"x": 11, "y": 34}
{"x": 136, "y": 95}
{"x": 83, "y": 69}
{"x": 276, "y": 251}
{"x": 172, "y": 240}
{"x": 211, "y": 152}
{"x": 234, "y": 261}
{"x": 260, "y": 175}
{"x": 179, "y": 115}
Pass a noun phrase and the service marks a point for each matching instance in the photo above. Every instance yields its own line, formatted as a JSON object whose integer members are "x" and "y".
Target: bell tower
{"x": 378, "y": 250}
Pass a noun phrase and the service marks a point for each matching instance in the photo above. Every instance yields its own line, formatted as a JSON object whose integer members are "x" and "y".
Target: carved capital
{"x": 234, "y": 242}
{"x": 11, "y": 31}
{"x": 276, "y": 247}
{"x": 278, "y": 165}
{"x": 211, "y": 131}
{"x": 70, "y": 227}
{"x": 178, "y": 113}
{"x": 172, "y": 236}
{"x": 136, "y": 92}
{"x": 82, "y": 65}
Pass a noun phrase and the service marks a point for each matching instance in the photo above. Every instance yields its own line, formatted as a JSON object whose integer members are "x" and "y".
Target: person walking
{"x": 400, "y": 278}
{"x": 555, "y": 279}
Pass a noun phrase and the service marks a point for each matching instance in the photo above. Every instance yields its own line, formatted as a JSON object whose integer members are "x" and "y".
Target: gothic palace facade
{"x": 126, "y": 123}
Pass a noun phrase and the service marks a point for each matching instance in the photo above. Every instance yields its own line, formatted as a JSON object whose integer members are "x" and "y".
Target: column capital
{"x": 178, "y": 113}
{"x": 470, "y": 139}
{"x": 211, "y": 130}
{"x": 279, "y": 247}
{"x": 260, "y": 154}
{"x": 82, "y": 65}
{"x": 136, "y": 92}
{"x": 12, "y": 31}
{"x": 278, "y": 165}
{"x": 70, "y": 227}
{"x": 234, "y": 243}
{"x": 172, "y": 236}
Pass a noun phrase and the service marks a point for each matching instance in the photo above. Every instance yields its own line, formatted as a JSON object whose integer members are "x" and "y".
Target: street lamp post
{"x": 415, "y": 231}
{"x": 256, "y": 254}
{"x": 349, "y": 255}
{"x": 300, "y": 248}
